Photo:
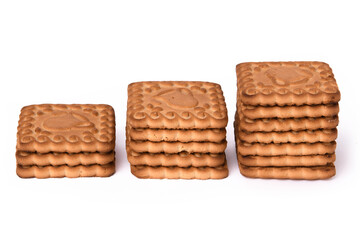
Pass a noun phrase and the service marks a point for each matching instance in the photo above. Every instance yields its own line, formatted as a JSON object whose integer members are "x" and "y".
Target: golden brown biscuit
{"x": 292, "y": 149}
{"x": 180, "y": 160}
{"x": 70, "y": 159}
{"x": 177, "y": 135}
{"x": 180, "y": 173}
{"x": 94, "y": 170}
{"x": 287, "y": 124}
{"x": 311, "y": 111}
{"x": 66, "y": 128}
{"x": 276, "y": 149}
{"x": 289, "y": 161}
{"x": 308, "y": 136}
{"x": 305, "y": 173}
{"x": 286, "y": 83}
{"x": 173, "y": 129}
{"x": 283, "y": 160}
{"x": 177, "y": 147}
{"x": 176, "y": 105}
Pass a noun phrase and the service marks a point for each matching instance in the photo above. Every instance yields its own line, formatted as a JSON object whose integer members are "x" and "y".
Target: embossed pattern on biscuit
{"x": 176, "y": 130}
{"x": 286, "y": 83}
{"x": 286, "y": 119}
{"x": 176, "y": 105}
{"x": 67, "y": 121}
{"x": 66, "y": 128}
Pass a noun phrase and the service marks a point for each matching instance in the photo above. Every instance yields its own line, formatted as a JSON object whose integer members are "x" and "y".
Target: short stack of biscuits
{"x": 60, "y": 140}
{"x": 286, "y": 119}
{"x": 176, "y": 130}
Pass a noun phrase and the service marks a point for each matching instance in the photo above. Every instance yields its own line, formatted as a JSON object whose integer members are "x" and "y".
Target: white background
{"x": 89, "y": 51}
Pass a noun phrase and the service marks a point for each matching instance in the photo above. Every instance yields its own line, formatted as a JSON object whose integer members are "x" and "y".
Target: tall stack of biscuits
{"x": 59, "y": 140}
{"x": 286, "y": 119}
{"x": 176, "y": 130}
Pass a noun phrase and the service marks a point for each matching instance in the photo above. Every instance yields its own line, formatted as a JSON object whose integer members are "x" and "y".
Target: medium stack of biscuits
{"x": 176, "y": 130}
{"x": 286, "y": 119}
{"x": 59, "y": 140}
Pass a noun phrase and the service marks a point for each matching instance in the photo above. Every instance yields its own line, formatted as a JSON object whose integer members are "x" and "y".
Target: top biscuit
{"x": 176, "y": 105}
{"x": 286, "y": 83}
{"x": 66, "y": 128}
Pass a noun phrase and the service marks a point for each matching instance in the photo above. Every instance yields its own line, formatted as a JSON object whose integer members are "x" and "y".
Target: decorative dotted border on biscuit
{"x": 136, "y": 105}
{"x": 326, "y": 85}
{"x": 27, "y": 119}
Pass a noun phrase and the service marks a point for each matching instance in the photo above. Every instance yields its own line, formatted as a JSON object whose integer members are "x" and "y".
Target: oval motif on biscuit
{"x": 177, "y": 98}
{"x": 285, "y": 76}
{"x": 64, "y": 121}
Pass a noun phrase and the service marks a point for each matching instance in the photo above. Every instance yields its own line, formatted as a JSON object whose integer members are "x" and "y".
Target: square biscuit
{"x": 176, "y": 160}
{"x": 69, "y": 159}
{"x": 281, "y": 149}
{"x": 177, "y": 135}
{"x": 94, "y": 170}
{"x": 308, "y": 136}
{"x": 293, "y": 136}
{"x": 176, "y": 105}
{"x": 314, "y": 111}
{"x": 177, "y": 147}
{"x": 174, "y": 147}
{"x": 285, "y": 124}
{"x": 66, "y": 128}
{"x": 286, "y": 83}
{"x": 292, "y": 149}
{"x": 160, "y": 172}
{"x": 280, "y": 160}
{"x": 286, "y": 161}
{"x": 296, "y": 173}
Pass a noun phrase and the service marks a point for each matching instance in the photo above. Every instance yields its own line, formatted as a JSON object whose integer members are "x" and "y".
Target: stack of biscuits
{"x": 286, "y": 119}
{"x": 58, "y": 140}
{"x": 176, "y": 130}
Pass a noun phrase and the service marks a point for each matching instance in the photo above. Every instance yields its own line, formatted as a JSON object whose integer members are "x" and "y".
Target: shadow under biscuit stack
{"x": 176, "y": 130}
{"x": 286, "y": 119}
{"x": 59, "y": 140}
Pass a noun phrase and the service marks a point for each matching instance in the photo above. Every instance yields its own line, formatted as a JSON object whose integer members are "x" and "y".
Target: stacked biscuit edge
{"x": 286, "y": 119}
{"x": 66, "y": 140}
{"x": 176, "y": 130}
